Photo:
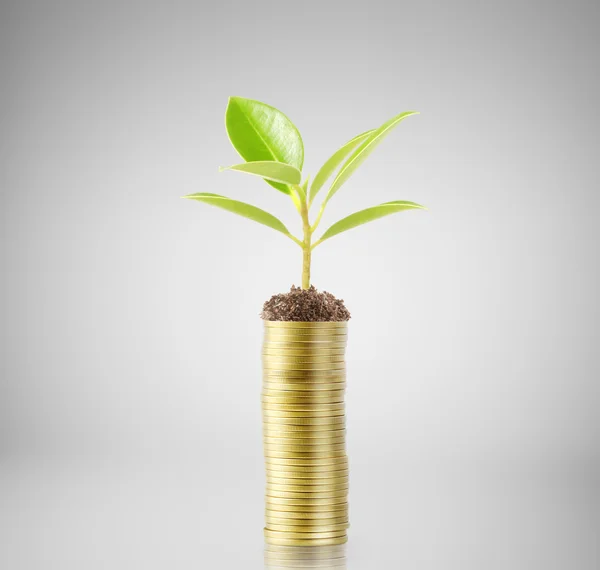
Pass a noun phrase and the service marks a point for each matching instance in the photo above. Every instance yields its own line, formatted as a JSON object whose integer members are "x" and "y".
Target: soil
{"x": 307, "y": 305}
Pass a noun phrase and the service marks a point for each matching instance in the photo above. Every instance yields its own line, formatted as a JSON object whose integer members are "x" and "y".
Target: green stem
{"x": 306, "y": 247}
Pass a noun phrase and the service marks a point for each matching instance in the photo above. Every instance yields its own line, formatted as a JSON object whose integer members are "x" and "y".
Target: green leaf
{"x": 242, "y": 209}
{"x": 260, "y": 132}
{"x": 333, "y": 162}
{"x": 269, "y": 170}
{"x": 368, "y": 215}
{"x": 364, "y": 150}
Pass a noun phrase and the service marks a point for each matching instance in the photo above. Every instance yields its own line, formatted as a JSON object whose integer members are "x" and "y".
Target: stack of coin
{"x": 304, "y": 428}
{"x": 322, "y": 557}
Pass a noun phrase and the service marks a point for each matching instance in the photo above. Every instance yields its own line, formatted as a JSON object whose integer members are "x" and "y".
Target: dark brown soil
{"x": 308, "y": 305}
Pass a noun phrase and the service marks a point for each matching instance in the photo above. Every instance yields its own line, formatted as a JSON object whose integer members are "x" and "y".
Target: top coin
{"x": 320, "y": 325}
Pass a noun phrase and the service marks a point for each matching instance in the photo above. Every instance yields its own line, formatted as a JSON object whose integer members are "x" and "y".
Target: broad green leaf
{"x": 261, "y": 132}
{"x": 269, "y": 170}
{"x": 242, "y": 209}
{"x": 368, "y": 215}
{"x": 333, "y": 162}
{"x": 364, "y": 150}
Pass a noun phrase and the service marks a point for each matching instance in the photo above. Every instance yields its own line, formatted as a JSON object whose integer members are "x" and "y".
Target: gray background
{"x": 129, "y": 356}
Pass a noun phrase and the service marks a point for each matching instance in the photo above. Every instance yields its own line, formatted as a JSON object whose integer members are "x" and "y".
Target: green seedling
{"x": 272, "y": 147}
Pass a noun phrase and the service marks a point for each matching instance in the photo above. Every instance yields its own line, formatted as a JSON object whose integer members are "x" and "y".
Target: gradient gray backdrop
{"x": 130, "y": 431}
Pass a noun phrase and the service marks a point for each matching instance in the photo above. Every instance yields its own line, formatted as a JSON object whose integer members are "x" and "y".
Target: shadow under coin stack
{"x": 304, "y": 428}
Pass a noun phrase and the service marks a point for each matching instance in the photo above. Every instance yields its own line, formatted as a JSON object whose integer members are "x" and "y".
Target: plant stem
{"x": 306, "y": 247}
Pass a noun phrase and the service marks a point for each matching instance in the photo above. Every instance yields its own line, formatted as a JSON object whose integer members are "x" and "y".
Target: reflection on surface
{"x": 305, "y": 557}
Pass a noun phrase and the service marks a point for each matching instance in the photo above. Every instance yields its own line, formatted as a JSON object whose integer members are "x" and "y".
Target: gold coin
{"x": 297, "y": 501}
{"x": 323, "y": 450}
{"x": 272, "y": 422}
{"x": 309, "y": 476}
{"x": 333, "y": 494}
{"x": 297, "y": 441}
{"x": 335, "y": 394}
{"x": 287, "y": 487}
{"x": 305, "y": 330}
{"x": 319, "y": 477}
{"x": 307, "y": 471}
{"x": 317, "y": 511}
{"x": 283, "y": 432}
{"x": 334, "y": 420}
{"x": 288, "y": 445}
{"x": 307, "y": 388}
{"x": 303, "y": 413}
{"x": 311, "y": 435}
{"x": 283, "y": 386}
{"x": 305, "y": 448}
{"x": 274, "y": 334}
{"x": 310, "y": 351}
{"x": 340, "y": 410}
{"x": 270, "y": 454}
{"x": 298, "y": 517}
{"x": 300, "y": 513}
{"x": 300, "y": 375}
{"x": 307, "y": 521}
{"x": 313, "y": 542}
{"x": 271, "y": 427}
{"x": 310, "y": 399}
{"x": 278, "y": 477}
{"x": 337, "y": 341}
{"x": 316, "y": 354}
{"x": 304, "y": 535}
{"x": 293, "y": 338}
{"x": 305, "y": 529}
{"x": 284, "y": 357}
{"x": 276, "y": 436}
{"x": 270, "y": 364}
{"x": 283, "y": 338}
{"x": 311, "y": 347}
{"x": 309, "y": 484}
{"x": 318, "y": 464}
{"x": 304, "y": 407}
{"x": 315, "y": 462}
{"x": 274, "y": 549}
{"x": 317, "y": 435}
{"x": 313, "y": 383}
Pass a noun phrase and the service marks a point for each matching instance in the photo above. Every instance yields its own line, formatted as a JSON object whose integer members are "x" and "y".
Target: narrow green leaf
{"x": 333, "y": 162}
{"x": 364, "y": 150}
{"x": 368, "y": 215}
{"x": 269, "y": 170}
{"x": 260, "y": 132}
{"x": 242, "y": 209}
